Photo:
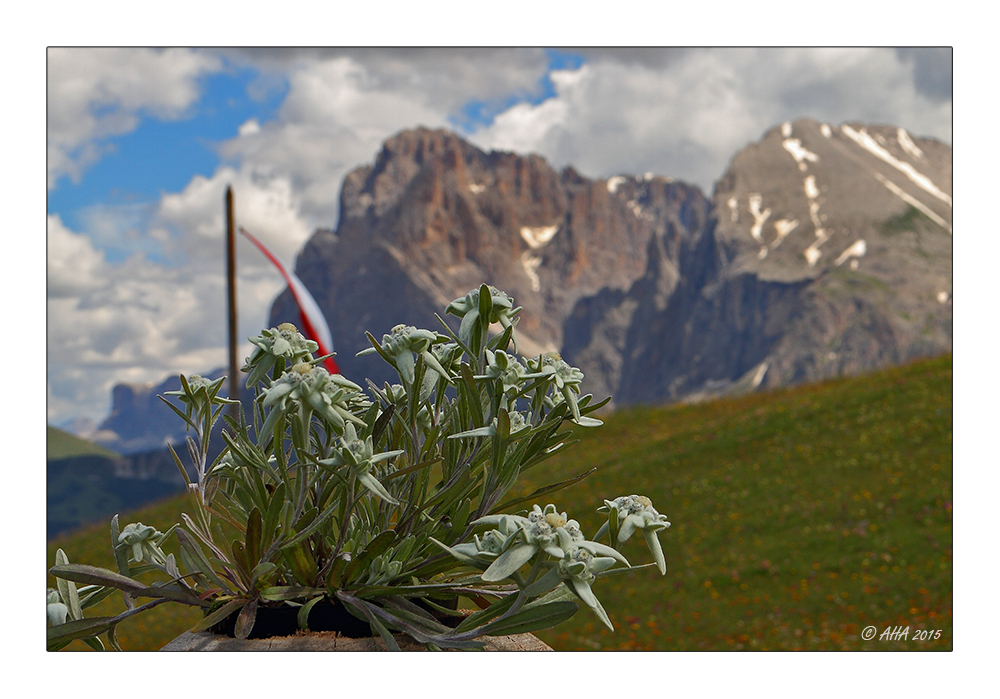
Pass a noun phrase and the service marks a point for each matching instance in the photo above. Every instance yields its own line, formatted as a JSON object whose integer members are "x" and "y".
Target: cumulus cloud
{"x": 342, "y": 104}
{"x": 74, "y": 266}
{"x": 685, "y": 112}
{"x": 97, "y": 93}
{"x": 450, "y": 77}
{"x": 138, "y": 321}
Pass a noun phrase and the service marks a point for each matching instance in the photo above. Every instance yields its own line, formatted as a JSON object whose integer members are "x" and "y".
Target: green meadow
{"x": 800, "y": 517}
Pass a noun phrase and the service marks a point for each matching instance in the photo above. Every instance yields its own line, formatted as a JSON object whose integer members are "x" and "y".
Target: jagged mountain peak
{"x": 810, "y": 197}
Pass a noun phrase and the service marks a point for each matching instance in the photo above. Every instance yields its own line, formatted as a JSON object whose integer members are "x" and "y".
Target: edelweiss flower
{"x": 199, "y": 393}
{"x": 284, "y": 342}
{"x": 492, "y": 544}
{"x": 329, "y": 395}
{"x": 403, "y": 342}
{"x": 630, "y": 512}
{"x": 509, "y": 369}
{"x": 493, "y": 307}
{"x": 144, "y": 541}
{"x": 566, "y": 380}
{"x": 358, "y": 455}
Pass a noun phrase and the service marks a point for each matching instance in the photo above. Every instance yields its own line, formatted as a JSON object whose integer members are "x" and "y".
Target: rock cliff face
{"x": 435, "y": 217}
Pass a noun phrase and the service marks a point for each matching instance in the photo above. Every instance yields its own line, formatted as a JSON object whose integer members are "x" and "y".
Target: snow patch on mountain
{"x": 539, "y": 236}
{"x": 799, "y": 152}
{"x": 864, "y": 139}
{"x": 912, "y": 201}
{"x": 857, "y": 250}
{"x": 759, "y": 217}
{"x": 615, "y": 182}
{"x": 907, "y": 143}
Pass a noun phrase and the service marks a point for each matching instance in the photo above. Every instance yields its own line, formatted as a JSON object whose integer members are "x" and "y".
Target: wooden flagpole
{"x": 234, "y": 384}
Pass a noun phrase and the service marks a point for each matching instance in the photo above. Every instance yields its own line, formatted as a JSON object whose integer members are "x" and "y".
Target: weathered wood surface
{"x": 331, "y": 641}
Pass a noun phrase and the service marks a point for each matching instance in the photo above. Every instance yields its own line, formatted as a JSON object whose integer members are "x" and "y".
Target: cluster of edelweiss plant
{"x": 389, "y": 503}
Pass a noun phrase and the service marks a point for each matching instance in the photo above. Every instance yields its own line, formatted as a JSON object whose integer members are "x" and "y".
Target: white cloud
{"x": 96, "y": 93}
{"x": 137, "y": 321}
{"x": 684, "y": 113}
{"x": 74, "y": 266}
{"x": 334, "y": 118}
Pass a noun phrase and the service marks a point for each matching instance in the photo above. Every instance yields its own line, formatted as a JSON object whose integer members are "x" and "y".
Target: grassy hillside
{"x": 800, "y": 517}
{"x": 62, "y": 445}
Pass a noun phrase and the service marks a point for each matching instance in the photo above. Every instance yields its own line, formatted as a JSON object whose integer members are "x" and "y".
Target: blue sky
{"x": 170, "y": 151}
{"x": 142, "y": 143}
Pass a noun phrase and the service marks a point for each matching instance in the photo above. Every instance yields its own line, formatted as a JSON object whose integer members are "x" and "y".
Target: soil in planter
{"x": 325, "y": 616}
{"x": 283, "y": 621}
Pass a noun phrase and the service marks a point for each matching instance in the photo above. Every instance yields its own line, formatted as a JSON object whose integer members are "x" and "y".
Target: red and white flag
{"x": 313, "y": 323}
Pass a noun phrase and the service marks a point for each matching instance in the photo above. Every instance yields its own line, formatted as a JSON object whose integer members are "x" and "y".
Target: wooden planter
{"x": 332, "y": 641}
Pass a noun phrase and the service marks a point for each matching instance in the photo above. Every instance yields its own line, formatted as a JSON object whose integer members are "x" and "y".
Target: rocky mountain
{"x": 434, "y": 217}
{"x": 827, "y": 252}
{"x": 823, "y": 251}
{"x": 140, "y": 423}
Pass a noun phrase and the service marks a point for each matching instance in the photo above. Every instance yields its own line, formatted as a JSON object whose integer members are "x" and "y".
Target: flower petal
{"x": 654, "y": 546}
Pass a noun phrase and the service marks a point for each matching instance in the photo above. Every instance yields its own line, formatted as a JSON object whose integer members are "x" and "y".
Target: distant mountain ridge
{"x": 823, "y": 251}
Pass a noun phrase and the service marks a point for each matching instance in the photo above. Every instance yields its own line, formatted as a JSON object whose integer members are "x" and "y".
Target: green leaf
{"x": 533, "y": 619}
{"x": 382, "y": 422}
{"x": 303, "y": 616}
{"x": 371, "y": 483}
{"x": 177, "y": 461}
{"x": 583, "y": 591}
{"x": 379, "y": 628}
{"x": 375, "y": 547}
{"x": 614, "y": 523}
{"x": 262, "y": 570}
{"x": 179, "y": 412}
{"x": 310, "y": 529}
{"x": 121, "y": 555}
{"x": 487, "y": 431}
{"x": 94, "y": 642}
{"x": 58, "y": 636}
{"x": 113, "y": 639}
{"x": 270, "y": 525}
{"x": 378, "y": 348}
{"x": 98, "y": 594}
{"x": 78, "y": 572}
{"x": 196, "y": 557}
{"x": 411, "y": 469}
{"x": 485, "y": 302}
{"x": 471, "y": 393}
{"x": 653, "y": 542}
{"x": 301, "y": 563}
{"x": 67, "y": 590}
{"x": 218, "y": 615}
{"x": 544, "y": 490}
{"x": 509, "y": 562}
{"x": 481, "y": 617}
{"x": 246, "y": 619}
{"x": 289, "y": 592}
{"x": 253, "y": 537}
